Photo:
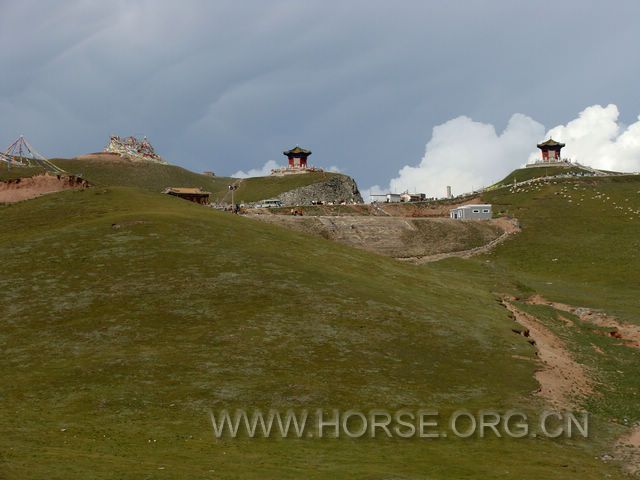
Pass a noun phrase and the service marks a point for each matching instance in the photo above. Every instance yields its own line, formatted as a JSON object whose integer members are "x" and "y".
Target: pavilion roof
{"x": 297, "y": 150}
{"x": 550, "y": 144}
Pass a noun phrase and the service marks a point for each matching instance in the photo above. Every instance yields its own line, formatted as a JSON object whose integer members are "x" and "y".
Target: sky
{"x": 405, "y": 95}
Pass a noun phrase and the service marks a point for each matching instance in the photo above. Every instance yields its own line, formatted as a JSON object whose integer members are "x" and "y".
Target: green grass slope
{"x": 147, "y": 175}
{"x": 10, "y": 173}
{"x": 126, "y": 314}
{"x": 156, "y": 177}
{"x": 579, "y": 245}
{"x": 524, "y": 174}
{"x": 579, "y": 242}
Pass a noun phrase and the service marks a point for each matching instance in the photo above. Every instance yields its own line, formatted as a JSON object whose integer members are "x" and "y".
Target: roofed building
{"x": 551, "y": 151}
{"x": 472, "y": 212}
{"x": 412, "y": 197}
{"x": 386, "y": 197}
{"x": 195, "y": 195}
{"x": 297, "y": 157}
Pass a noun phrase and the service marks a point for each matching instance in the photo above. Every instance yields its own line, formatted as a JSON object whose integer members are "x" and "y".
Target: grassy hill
{"x": 18, "y": 172}
{"x": 579, "y": 245}
{"x": 396, "y": 237}
{"x": 156, "y": 177}
{"x": 579, "y": 234}
{"x": 524, "y": 174}
{"x": 127, "y": 314}
{"x": 147, "y": 175}
{"x": 262, "y": 188}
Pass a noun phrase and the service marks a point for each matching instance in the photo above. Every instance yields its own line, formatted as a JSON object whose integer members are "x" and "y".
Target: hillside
{"x": 428, "y": 208}
{"x": 21, "y": 189}
{"x": 524, "y": 174}
{"x": 147, "y": 175}
{"x": 396, "y": 237}
{"x": 18, "y": 172}
{"x": 127, "y": 314}
{"x": 579, "y": 248}
{"x": 580, "y": 234}
{"x": 262, "y": 188}
{"x": 103, "y": 170}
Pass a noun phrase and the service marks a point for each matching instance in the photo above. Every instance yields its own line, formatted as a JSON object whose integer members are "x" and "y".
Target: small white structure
{"x": 270, "y": 203}
{"x": 472, "y": 212}
{"x": 386, "y": 197}
{"x": 412, "y": 197}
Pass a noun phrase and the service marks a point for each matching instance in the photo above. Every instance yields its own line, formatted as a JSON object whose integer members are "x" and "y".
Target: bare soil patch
{"x": 628, "y": 333}
{"x": 627, "y": 447}
{"x": 627, "y": 450}
{"x": 20, "y": 189}
{"x": 509, "y": 227}
{"x": 563, "y": 381}
{"x": 403, "y": 238}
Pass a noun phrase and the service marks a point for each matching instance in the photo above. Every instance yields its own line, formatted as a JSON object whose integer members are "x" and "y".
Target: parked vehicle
{"x": 272, "y": 203}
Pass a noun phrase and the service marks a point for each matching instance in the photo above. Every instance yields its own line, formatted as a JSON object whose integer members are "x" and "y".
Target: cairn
{"x": 133, "y": 148}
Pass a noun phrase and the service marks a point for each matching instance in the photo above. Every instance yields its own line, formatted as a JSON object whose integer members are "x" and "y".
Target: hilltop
{"x": 542, "y": 171}
{"x": 300, "y": 189}
{"x": 112, "y": 170}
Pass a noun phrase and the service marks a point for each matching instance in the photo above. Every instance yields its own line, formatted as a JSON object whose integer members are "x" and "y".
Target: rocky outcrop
{"x": 133, "y": 148}
{"x": 336, "y": 190}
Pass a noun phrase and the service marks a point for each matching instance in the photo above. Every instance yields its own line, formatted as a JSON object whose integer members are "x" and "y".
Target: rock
{"x": 337, "y": 189}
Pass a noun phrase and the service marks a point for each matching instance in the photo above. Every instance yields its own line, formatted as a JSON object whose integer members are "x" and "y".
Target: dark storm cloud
{"x": 228, "y": 85}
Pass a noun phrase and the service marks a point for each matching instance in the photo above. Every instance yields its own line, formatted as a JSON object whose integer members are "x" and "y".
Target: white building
{"x": 472, "y": 212}
{"x": 386, "y": 197}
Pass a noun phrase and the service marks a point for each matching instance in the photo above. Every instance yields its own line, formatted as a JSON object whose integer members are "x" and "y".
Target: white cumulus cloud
{"x": 598, "y": 139}
{"x": 258, "y": 172}
{"x": 469, "y": 155}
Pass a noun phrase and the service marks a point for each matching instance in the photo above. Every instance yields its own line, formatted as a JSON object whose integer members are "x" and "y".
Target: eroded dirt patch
{"x": 628, "y": 333}
{"x": 415, "y": 240}
{"x": 627, "y": 450}
{"x": 508, "y": 226}
{"x": 20, "y": 189}
{"x": 627, "y": 447}
{"x": 563, "y": 381}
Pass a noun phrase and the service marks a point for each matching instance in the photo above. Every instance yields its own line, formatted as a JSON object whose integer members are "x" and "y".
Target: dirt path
{"x": 627, "y": 447}
{"x": 509, "y": 227}
{"x": 563, "y": 381}
{"x": 628, "y": 333}
{"x": 627, "y": 450}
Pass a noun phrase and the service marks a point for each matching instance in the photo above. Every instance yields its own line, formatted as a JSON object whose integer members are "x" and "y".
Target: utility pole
{"x": 233, "y": 188}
